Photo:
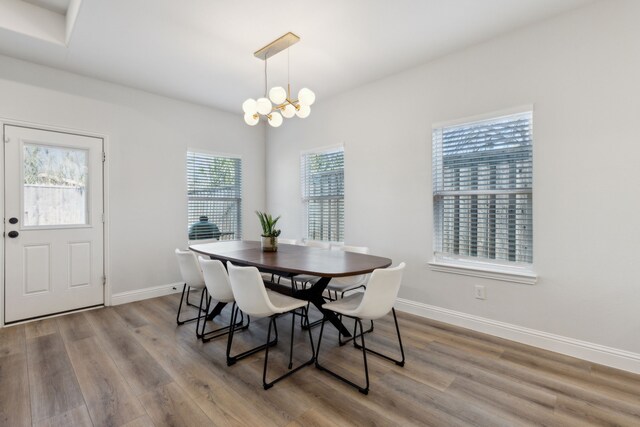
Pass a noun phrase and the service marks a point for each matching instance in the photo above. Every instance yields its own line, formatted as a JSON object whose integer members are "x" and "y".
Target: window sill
{"x": 505, "y": 274}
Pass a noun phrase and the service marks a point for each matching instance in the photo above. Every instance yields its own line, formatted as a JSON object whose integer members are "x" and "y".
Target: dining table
{"x": 292, "y": 260}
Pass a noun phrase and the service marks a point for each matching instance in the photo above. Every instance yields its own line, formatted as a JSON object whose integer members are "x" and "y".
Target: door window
{"x": 55, "y": 186}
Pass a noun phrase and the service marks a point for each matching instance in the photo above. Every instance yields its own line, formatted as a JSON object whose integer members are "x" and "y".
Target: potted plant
{"x": 269, "y": 232}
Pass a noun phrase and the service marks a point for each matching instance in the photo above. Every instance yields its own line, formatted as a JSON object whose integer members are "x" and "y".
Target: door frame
{"x": 105, "y": 200}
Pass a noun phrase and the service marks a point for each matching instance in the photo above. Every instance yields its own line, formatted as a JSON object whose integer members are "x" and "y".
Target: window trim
{"x": 186, "y": 175}
{"x": 514, "y": 272}
{"x": 210, "y": 153}
{"x": 520, "y": 273}
{"x": 485, "y": 116}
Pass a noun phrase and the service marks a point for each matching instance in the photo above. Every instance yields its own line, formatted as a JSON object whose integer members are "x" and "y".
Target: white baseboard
{"x": 145, "y": 293}
{"x": 596, "y": 353}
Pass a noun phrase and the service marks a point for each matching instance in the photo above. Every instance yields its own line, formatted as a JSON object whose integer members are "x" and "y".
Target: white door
{"x": 53, "y": 222}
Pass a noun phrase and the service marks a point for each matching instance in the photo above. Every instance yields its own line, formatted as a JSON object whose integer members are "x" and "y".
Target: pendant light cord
{"x": 289, "y": 71}
{"x": 265, "y": 77}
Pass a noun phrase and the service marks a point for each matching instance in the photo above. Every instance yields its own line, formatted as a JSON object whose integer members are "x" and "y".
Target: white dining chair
{"x": 218, "y": 288}
{"x": 375, "y": 302}
{"x": 348, "y": 283}
{"x": 317, "y": 244}
{"x": 193, "y": 279}
{"x": 253, "y": 298}
{"x": 286, "y": 241}
{"x": 305, "y": 279}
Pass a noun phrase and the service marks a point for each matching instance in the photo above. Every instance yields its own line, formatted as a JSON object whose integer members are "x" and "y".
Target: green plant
{"x": 268, "y": 224}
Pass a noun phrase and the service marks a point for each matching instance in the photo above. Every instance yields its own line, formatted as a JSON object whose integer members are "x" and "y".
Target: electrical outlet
{"x": 480, "y": 292}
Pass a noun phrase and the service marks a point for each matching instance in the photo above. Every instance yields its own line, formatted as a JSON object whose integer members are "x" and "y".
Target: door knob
{"x": 13, "y": 234}
{"x": 13, "y": 220}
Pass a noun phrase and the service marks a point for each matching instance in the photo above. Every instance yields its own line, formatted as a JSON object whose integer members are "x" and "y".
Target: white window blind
{"x": 323, "y": 194}
{"x": 214, "y": 187}
{"x": 482, "y": 189}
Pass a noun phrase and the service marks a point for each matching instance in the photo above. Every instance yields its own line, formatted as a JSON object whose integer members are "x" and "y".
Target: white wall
{"x": 581, "y": 71}
{"x": 148, "y": 137}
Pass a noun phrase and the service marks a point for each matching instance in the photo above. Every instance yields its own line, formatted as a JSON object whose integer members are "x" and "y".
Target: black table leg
{"x": 216, "y": 310}
{"x": 314, "y": 296}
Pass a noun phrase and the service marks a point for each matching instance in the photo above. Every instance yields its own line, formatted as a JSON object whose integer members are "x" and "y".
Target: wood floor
{"x": 130, "y": 365}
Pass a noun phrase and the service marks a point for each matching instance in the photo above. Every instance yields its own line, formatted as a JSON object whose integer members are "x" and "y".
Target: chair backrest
{"x": 357, "y": 249}
{"x": 318, "y": 244}
{"x": 189, "y": 269}
{"x": 216, "y": 279}
{"x": 249, "y": 291}
{"x": 287, "y": 241}
{"x": 360, "y": 279}
{"x": 381, "y": 293}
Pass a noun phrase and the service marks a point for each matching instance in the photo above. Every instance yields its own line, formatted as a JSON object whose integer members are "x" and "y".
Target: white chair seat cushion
{"x": 343, "y": 287}
{"x": 304, "y": 278}
{"x": 284, "y": 303}
{"x": 346, "y": 305}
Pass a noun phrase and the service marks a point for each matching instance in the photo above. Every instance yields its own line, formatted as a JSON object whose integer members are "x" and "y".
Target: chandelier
{"x": 279, "y": 102}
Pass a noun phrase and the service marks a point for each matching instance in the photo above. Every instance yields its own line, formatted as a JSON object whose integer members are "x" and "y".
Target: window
{"x": 55, "y": 185}
{"x": 482, "y": 190}
{"x": 323, "y": 194}
{"x": 214, "y": 188}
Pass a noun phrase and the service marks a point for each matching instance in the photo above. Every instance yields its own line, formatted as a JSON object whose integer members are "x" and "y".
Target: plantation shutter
{"x": 214, "y": 187}
{"x": 482, "y": 189}
{"x": 323, "y": 194}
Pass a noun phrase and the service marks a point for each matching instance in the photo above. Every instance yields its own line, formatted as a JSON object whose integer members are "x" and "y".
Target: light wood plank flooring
{"x": 130, "y": 365}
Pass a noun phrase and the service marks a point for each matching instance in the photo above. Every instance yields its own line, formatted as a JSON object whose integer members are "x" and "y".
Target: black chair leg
{"x": 365, "y": 350}
{"x": 184, "y": 287}
{"x": 200, "y": 309}
{"x": 205, "y": 321}
{"x": 216, "y": 333}
{"x": 319, "y": 343}
{"x": 306, "y": 324}
{"x": 341, "y": 343}
{"x": 268, "y": 385}
{"x": 397, "y": 362}
{"x": 272, "y": 320}
{"x": 182, "y": 322}
{"x": 364, "y": 357}
{"x": 363, "y": 390}
{"x": 231, "y": 360}
{"x": 395, "y": 319}
{"x": 188, "y": 292}
{"x": 293, "y": 327}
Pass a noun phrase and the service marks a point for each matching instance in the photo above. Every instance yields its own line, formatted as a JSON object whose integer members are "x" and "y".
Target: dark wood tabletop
{"x": 293, "y": 259}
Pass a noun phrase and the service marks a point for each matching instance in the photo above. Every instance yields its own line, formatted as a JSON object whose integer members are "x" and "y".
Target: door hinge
{"x": 104, "y": 157}
{"x": 103, "y": 217}
{"x": 104, "y": 280}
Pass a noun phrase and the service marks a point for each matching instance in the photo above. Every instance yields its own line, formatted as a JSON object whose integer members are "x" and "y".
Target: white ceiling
{"x": 202, "y": 50}
{"x": 57, "y": 6}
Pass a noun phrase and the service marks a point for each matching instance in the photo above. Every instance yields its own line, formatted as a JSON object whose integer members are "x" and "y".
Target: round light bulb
{"x": 304, "y": 111}
{"x": 289, "y": 111}
{"x": 264, "y": 106}
{"x": 306, "y": 96}
{"x": 275, "y": 120}
{"x": 249, "y": 106}
{"x": 251, "y": 119}
{"x": 278, "y": 95}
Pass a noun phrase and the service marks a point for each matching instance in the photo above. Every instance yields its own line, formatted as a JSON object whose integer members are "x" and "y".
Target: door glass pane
{"x": 55, "y": 180}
